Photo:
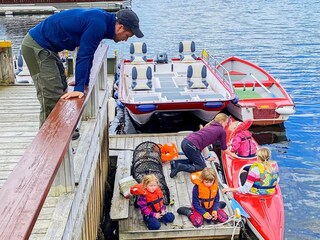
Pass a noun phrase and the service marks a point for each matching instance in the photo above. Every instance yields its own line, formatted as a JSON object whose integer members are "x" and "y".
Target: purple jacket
{"x": 208, "y": 135}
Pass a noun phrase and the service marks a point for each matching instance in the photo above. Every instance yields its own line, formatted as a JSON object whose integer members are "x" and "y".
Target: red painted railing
{"x": 23, "y": 194}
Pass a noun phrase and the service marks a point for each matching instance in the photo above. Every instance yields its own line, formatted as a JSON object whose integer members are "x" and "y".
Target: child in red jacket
{"x": 150, "y": 202}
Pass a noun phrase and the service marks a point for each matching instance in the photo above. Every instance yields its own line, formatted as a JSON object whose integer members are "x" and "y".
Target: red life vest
{"x": 154, "y": 200}
{"x": 206, "y": 195}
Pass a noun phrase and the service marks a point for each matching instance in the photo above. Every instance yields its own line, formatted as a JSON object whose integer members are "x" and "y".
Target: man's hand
{"x": 74, "y": 94}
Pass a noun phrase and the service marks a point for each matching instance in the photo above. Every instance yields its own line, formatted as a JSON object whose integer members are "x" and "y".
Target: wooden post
{"x": 6, "y": 63}
{"x": 64, "y": 181}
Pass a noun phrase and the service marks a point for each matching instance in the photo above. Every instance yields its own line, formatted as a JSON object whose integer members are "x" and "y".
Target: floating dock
{"x": 131, "y": 225}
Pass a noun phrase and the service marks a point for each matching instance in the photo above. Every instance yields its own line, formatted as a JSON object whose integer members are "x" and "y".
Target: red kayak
{"x": 266, "y": 211}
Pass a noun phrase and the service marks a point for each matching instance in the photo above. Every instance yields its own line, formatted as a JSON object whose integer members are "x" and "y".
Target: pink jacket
{"x": 242, "y": 142}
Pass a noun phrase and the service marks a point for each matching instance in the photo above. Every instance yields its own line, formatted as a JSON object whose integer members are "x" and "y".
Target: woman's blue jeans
{"x": 193, "y": 154}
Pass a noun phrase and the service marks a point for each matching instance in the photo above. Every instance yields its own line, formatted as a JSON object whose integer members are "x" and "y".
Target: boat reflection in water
{"x": 164, "y": 122}
{"x": 269, "y": 134}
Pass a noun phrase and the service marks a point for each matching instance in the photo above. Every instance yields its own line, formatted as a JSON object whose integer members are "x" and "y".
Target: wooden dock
{"x": 131, "y": 225}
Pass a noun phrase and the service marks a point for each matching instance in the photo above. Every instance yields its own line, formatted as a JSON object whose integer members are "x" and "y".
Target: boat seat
{"x": 186, "y": 50}
{"x": 196, "y": 76}
{"x": 138, "y": 51}
{"x": 141, "y": 78}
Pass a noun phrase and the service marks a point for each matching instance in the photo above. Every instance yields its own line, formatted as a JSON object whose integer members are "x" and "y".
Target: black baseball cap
{"x": 130, "y": 20}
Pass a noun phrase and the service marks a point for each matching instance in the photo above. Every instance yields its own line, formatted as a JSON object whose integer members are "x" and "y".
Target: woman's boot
{"x": 182, "y": 167}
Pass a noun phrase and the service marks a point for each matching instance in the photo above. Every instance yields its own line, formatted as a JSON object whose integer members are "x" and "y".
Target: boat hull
{"x": 169, "y": 89}
{"x": 198, "y": 109}
{"x": 261, "y": 97}
{"x": 260, "y": 116}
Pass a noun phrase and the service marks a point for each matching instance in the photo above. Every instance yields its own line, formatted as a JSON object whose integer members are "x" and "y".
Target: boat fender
{"x": 237, "y": 214}
{"x": 217, "y": 104}
{"x": 111, "y": 109}
{"x": 116, "y": 76}
{"x": 115, "y": 94}
{"x": 235, "y": 100}
{"x": 285, "y": 111}
{"x": 119, "y": 104}
{"x": 146, "y": 107}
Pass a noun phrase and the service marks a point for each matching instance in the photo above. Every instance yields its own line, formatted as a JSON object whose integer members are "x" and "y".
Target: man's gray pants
{"x": 47, "y": 73}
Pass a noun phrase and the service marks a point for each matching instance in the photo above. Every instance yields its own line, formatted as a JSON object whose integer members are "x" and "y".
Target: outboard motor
{"x": 162, "y": 58}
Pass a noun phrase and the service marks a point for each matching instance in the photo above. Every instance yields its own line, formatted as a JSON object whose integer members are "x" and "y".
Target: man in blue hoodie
{"x": 83, "y": 28}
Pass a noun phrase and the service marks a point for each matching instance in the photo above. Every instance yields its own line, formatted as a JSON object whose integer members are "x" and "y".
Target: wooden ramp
{"x": 131, "y": 225}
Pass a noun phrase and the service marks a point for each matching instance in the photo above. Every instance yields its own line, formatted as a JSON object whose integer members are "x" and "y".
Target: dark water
{"x": 281, "y": 36}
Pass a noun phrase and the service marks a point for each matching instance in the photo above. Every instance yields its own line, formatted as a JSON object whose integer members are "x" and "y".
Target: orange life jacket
{"x": 154, "y": 200}
{"x": 169, "y": 151}
{"x": 206, "y": 195}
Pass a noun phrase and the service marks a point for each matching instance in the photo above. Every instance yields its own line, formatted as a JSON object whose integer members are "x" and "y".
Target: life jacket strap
{"x": 151, "y": 204}
{"x": 263, "y": 187}
{"x": 247, "y": 138}
{"x": 206, "y": 199}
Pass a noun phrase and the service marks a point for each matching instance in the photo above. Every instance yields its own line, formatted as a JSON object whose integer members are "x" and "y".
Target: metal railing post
{"x": 64, "y": 181}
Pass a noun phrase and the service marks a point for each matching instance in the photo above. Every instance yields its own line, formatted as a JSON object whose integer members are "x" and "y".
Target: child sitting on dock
{"x": 205, "y": 198}
{"x": 242, "y": 142}
{"x": 150, "y": 202}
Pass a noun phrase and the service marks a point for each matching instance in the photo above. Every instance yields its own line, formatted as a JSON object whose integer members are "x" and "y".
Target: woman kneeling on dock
{"x": 151, "y": 204}
{"x": 194, "y": 143}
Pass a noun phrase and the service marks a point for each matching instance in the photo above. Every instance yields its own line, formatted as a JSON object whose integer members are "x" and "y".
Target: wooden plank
{"x": 17, "y": 130}
{"x": 12, "y": 152}
{"x": 86, "y": 139}
{"x": 25, "y": 117}
{"x": 5, "y": 125}
{"x": 9, "y": 159}
{"x": 12, "y": 146}
{"x": 34, "y": 110}
{"x": 58, "y": 214}
{"x": 179, "y": 220}
{"x": 119, "y": 204}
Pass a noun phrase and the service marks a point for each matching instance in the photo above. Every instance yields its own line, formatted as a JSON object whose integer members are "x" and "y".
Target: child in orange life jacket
{"x": 150, "y": 202}
{"x": 242, "y": 141}
{"x": 205, "y": 198}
